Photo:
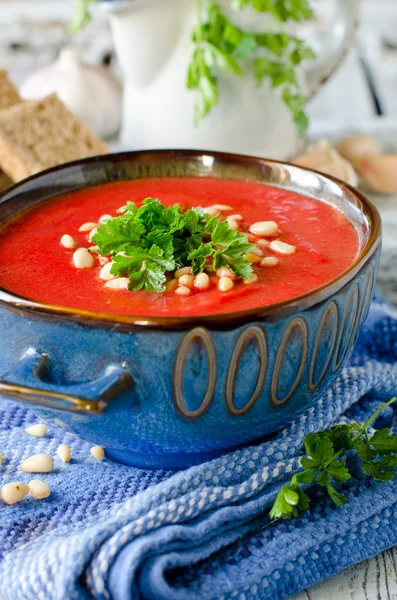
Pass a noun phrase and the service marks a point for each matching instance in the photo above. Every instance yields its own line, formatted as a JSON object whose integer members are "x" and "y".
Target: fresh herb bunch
{"x": 221, "y": 46}
{"x": 147, "y": 242}
{"x": 325, "y": 466}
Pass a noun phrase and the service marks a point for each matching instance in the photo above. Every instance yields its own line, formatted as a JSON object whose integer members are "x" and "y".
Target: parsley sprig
{"x": 325, "y": 466}
{"x": 148, "y": 242}
{"x": 221, "y": 46}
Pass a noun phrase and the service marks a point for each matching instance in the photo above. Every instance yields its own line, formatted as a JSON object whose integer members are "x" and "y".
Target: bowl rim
{"x": 273, "y": 311}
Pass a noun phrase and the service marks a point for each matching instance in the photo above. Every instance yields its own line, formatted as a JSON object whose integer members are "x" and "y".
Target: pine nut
{"x": 269, "y": 261}
{"x": 98, "y": 452}
{"x": 67, "y": 241}
{"x": 38, "y": 463}
{"x": 104, "y": 219}
{"x": 264, "y": 228}
{"x": 202, "y": 281}
{"x": 105, "y": 273}
{"x": 92, "y": 233}
{"x": 236, "y": 217}
{"x": 252, "y": 278}
{"x": 262, "y": 243}
{"x": 88, "y": 226}
{"x": 82, "y": 259}
{"x": 210, "y": 210}
{"x": 222, "y": 207}
{"x": 252, "y": 258}
{"x": 39, "y": 489}
{"x": 103, "y": 260}
{"x": 171, "y": 285}
{"x": 64, "y": 453}
{"x": 252, "y": 238}
{"x": 282, "y": 247}
{"x": 225, "y": 284}
{"x": 225, "y": 272}
{"x": 232, "y": 223}
{"x": 121, "y": 283}
{"x": 257, "y": 251}
{"x": 183, "y": 290}
{"x": 14, "y": 492}
{"x": 183, "y": 271}
{"x": 187, "y": 280}
{"x": 93, "y": 249}
{"x": 38, "y": 430}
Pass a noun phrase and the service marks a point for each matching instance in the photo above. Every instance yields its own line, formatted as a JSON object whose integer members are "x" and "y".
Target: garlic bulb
{"x": 354, "y": 147}
{"x": 321, "y": 157}
{"x": 92, "y": 93}
{"x": 379, "y": 173}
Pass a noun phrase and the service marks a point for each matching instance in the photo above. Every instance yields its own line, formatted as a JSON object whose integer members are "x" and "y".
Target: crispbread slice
{"x": 8, "y": 92}
{"x": 38, "y": 135}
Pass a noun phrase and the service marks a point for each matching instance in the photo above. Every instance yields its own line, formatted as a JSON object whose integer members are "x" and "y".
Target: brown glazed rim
{"x": 217, "y": 321}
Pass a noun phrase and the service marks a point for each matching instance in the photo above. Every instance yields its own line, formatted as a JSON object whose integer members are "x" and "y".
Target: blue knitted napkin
{"x": 115, "y": 532}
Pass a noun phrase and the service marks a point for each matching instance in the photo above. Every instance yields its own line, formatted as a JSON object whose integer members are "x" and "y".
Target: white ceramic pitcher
{"x": 152, "y": 41}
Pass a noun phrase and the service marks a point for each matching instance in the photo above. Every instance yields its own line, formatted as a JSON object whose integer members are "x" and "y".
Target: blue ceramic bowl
{"x": 171, "y": 392}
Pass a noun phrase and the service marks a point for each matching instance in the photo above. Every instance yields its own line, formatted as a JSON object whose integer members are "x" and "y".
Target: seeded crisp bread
{"x": 42, "y": 134}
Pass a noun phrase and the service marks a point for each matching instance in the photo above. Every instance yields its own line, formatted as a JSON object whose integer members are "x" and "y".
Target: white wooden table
{"x": 344, "y": 104}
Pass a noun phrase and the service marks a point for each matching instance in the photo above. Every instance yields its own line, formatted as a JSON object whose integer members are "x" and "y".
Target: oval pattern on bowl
{"x": 290, "y": 361}
{"x": 205, "y": 339}
{"x": 324, "y": 346}
{"x": 348, "y": 327}
{"x": 251, "y": 334}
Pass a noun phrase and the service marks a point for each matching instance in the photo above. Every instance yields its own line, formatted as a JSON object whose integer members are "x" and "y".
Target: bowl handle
{"x": 24, "y": 383}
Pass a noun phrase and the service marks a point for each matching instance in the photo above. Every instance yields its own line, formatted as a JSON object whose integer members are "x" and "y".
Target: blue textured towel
{"x": 115, "y": 532}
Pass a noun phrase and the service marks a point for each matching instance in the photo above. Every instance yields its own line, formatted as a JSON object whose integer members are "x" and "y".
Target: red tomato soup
{"x": 35, "y": 265}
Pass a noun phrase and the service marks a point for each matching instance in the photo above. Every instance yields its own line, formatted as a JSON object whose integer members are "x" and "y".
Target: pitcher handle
{"x": 25, "y": 383}
{"x": 329, "y": 58}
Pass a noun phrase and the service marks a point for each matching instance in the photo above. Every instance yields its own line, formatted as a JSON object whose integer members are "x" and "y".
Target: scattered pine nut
{"x": 282, "y": 247}
{"x": 64, "y": 453}
{"x": 210, "y": 210}
{"x": 269, "y": 261}
{"x": 98, "y": 452}
{"x": 88, "y": 226}
{"x": 264, "y": 228}
{"x": 233, "y": 224}
{"x": 67, "y": 241}
{"x": 257, "y": 251}
{"x": 38, "y": 463}
{"x": 222, "y": 207}
{"x": 82, "y": 259}
{"x": 93, "y": 249}
{"x": 121, "y": 283}
{"x": 252, "y": 278}
{"x": 225, "y": 272}
{"x": 171, "y": 285}
{"x": 236, "y": 217}
{"x": 103, "y": 260}
{"x": 104, "y": 219}
{"x": 92, "y": 233}
{"x": 183, "y": 271}
{"x": 14, "y": 492}
{"x": 252, "y": 258}
{"x": 202, "y": 281}
{"x": 38, "y": 430}
{"x": 39, "y": 489}
{"x": 225, "y": 284}
{"x": 187, "y": 280}
{"x": 252, "y": 238}
{"x": 105, "y": 273}
{"x": 182, "y": 290}
{"x": 262, "y": 243}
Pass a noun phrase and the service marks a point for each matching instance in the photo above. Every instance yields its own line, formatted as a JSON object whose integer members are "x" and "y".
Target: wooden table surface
{"x": 344, "y": 104}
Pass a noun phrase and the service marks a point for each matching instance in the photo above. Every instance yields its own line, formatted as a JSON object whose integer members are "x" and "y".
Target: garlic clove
{"x": 321, "y": 157}
{"x": 92, "y": 93}
{"x": 355, "y": 147}
{"x": 379, "y": 173}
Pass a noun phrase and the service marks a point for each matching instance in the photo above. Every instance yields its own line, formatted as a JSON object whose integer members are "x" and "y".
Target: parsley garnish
{"x": 148, "y": 242}
{"x": 324, "y": 464}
